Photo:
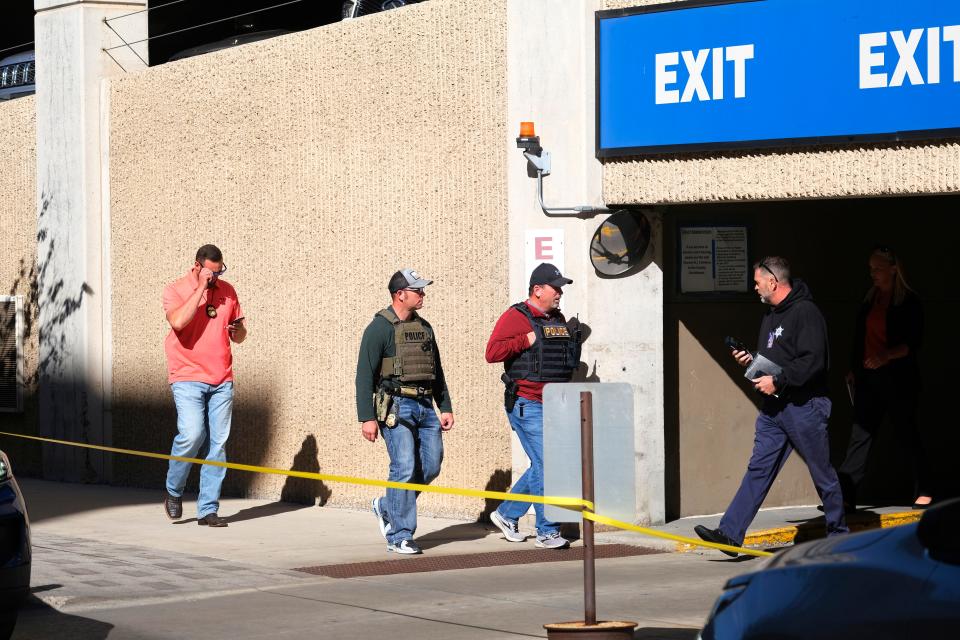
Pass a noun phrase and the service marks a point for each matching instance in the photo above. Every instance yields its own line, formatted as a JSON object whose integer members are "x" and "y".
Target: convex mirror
{"x": 620, "y": 243}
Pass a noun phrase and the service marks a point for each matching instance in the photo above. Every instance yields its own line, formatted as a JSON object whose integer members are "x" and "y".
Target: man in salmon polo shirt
{"x": 204, "y": 316}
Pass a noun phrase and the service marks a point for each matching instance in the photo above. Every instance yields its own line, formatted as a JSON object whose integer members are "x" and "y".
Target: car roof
{"x": 23, "y": 56}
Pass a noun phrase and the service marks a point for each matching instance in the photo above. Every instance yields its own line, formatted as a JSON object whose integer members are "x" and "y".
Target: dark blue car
{"x": 902, "y": 582}
{"x": 15, "y": 557}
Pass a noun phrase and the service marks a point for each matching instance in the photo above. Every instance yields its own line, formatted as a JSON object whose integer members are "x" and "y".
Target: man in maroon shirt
{"x": 536, "y": 346}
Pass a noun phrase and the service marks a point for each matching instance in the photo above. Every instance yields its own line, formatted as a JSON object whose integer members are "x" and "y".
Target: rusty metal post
{"x": 588, "y": 627}
{"x": 586, "y": 459}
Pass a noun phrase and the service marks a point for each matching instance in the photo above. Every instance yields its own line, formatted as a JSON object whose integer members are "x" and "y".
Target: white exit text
{"x": 874, "y": 49}
{"x": 695, "y": 63}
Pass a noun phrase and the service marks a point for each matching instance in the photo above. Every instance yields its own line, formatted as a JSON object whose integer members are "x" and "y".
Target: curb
{"x": 782, "y": 536}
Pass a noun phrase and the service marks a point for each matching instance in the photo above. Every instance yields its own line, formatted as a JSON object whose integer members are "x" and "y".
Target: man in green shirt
{"x": 399, "y": 376}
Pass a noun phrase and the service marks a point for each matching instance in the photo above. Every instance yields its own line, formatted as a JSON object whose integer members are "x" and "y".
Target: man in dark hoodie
{"x": 793, "y": 335}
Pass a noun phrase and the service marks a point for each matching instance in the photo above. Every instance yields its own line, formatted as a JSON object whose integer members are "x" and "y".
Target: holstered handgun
{"x": 382, "y": 401}
{"x": 509, "y": 392}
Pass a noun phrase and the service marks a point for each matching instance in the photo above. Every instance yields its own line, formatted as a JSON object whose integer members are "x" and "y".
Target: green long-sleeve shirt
{"x": 379, "y": 342}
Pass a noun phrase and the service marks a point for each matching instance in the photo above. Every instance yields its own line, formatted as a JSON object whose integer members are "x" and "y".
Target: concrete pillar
{"x": 551, "y": 80}
{"x": 73, "y": 255}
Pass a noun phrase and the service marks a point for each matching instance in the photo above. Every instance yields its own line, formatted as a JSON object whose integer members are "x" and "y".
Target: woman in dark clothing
{"x": 885, "y": 375}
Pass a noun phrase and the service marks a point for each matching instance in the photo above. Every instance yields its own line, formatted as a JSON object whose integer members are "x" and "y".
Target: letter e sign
{"x": 542, "y": 245}
{"x": 543, "y": 248}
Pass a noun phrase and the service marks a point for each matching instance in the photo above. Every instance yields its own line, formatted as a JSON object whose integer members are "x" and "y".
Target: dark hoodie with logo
{"x": 793, "y": 334}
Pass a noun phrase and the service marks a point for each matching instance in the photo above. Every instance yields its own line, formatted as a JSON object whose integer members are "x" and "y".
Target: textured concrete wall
{"x": 18, "y": 258}
{"x": 810, "y": 172}
{"x": 320, "y": 162}
{"x": 905, "y": 169}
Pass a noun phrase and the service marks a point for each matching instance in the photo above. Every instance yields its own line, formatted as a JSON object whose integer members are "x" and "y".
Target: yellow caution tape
{"x": 585, "y": 506}
{"x": 589, "y": 515}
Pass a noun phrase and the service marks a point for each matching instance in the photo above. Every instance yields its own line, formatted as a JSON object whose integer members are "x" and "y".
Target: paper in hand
{"x": 762, "y": 366}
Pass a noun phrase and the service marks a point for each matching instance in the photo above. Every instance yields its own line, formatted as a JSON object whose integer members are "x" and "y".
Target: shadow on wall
{"x": 60, "y": 304}
{"x": 27, "y": 454}
{"x": 583, "y": 372}
{"x": 57, "y": 307}
{"x": 305, "y": 490}
{"x": 151, "y": 425}
{"x": 499, "y": 481}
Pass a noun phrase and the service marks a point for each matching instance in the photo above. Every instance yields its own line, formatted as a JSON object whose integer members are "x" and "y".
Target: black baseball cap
{"x": 546, "y": 273}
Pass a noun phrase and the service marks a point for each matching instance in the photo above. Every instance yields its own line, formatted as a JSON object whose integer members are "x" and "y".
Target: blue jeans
{"x": 526, "y": 420}
{"x": 804, "y": 428}
{"x": 415, "y": 446}
{"x": 204, "y": 412}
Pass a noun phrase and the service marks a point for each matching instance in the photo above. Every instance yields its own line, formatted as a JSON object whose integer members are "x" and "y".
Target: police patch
{"x": 414, "y": 336}
{"x": 556, "y": 332}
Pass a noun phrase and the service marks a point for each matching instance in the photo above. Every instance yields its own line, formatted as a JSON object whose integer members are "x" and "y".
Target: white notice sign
{"x": 713, "y": 259}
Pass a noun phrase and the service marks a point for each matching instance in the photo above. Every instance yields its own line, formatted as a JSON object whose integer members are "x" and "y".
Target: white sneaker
{"x": 381, "y": 519}
{"x": 511, "y": 530}
{"x": 405, "y": 547}
{"x": 552, "y": 540}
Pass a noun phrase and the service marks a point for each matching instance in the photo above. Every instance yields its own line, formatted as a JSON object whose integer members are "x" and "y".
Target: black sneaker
{"x": 847, "y": 509}
{"x": 715, "y": 535}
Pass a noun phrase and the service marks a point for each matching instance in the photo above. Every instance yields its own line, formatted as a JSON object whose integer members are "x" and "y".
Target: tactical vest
{"x": 415, "y": 359}
{"x": 554, "y": 356}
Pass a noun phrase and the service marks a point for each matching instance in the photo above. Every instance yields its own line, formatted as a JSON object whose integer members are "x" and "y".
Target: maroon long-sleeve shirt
{"x": 509, "y": 339}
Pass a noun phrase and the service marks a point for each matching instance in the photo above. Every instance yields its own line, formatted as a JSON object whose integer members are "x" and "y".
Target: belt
{"x": 411, "y": 392}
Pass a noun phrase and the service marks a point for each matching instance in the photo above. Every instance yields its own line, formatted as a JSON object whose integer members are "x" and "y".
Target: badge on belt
{"x": 391, "y": 420}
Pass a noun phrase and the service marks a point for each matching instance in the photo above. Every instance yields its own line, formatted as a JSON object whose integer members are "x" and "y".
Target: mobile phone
{"x": 237, "y": 321}
{"x": 734, "y": 344}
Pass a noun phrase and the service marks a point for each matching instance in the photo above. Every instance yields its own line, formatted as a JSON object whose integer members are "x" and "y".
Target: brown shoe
{"x": 173, "y": 506}
{"x": 212, "y": 520}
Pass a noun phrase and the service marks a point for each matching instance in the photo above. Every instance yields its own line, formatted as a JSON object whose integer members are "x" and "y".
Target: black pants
{"x": 877, "y": 394}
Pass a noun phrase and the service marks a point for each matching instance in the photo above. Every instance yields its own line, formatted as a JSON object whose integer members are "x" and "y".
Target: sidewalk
{"x": 108, "y": 559}
{"x": 314, "y": 536}
{"x": 98, "y": 547}
{"x": 775, "y": 527}
{"x": 265, "y": 533}
{"x": 279, "y": 535}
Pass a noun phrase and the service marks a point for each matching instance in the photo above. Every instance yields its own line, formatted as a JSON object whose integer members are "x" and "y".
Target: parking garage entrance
{"x": 710, "y": 408}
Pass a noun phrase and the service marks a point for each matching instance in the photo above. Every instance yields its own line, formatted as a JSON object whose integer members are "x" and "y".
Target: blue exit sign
{"x": 714, "y": 75}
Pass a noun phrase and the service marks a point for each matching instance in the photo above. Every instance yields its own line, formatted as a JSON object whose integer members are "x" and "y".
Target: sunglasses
{"x": 419, "y": 292}
{"x": 223, "y": 270}
{"x": 769, "y": 270}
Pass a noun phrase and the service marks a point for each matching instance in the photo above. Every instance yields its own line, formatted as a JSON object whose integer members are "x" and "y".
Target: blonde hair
{"x": 900, "y": 286}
